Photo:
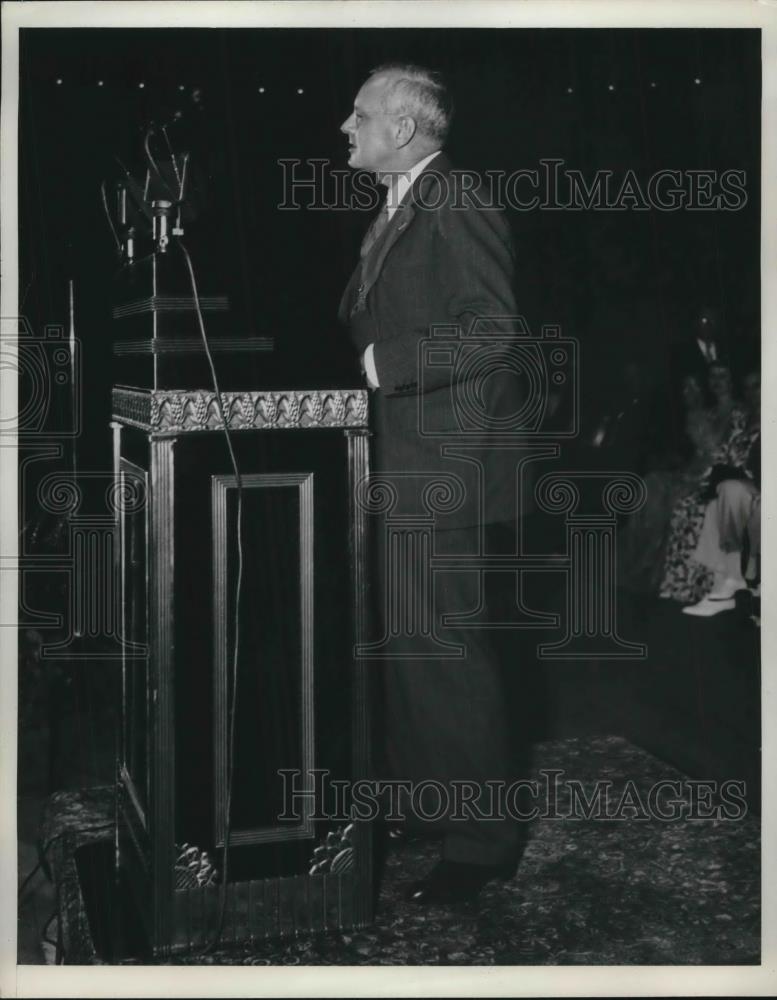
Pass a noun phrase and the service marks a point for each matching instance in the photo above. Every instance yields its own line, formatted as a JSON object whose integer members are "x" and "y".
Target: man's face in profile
{"x": 370, "y": 129}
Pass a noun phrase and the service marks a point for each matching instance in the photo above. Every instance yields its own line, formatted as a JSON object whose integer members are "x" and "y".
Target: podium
{"x": 300, "y": 712}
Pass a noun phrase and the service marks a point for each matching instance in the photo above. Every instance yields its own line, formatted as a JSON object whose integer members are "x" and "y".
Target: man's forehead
{"x": 372, "y": 90}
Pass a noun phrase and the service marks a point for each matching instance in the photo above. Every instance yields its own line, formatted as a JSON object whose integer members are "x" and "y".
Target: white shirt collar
{"x": 707, "y": 347}
{"x": 404, "y": 182}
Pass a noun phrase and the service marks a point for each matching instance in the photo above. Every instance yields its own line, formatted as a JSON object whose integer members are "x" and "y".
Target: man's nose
{"x": 347, "y": 125}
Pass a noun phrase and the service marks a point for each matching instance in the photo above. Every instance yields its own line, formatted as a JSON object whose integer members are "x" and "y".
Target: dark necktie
{"x": 377, "y": 226}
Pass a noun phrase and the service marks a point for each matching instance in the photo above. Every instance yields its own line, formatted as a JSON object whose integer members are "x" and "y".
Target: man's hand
{"x": 369, "y": 369}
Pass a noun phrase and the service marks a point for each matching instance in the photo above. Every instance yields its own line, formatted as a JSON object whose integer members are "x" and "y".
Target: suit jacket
{"x": 439, "y": 263}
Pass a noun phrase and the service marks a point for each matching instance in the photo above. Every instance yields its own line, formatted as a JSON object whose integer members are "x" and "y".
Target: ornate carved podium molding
{"x": 178, "y": 411}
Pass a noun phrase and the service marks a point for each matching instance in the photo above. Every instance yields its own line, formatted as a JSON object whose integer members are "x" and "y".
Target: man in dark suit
{"x": 703, "y": 346}
{"x": 435, "y": 257}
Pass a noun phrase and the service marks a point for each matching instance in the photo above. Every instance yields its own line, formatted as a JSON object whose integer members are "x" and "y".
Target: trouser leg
{"x": 727, "y": 520}
{"x": 446, "y": 719}
{"x": 735, "y": 505}
{"x": 708, "y": 551}
{"x": 754, "y": 533}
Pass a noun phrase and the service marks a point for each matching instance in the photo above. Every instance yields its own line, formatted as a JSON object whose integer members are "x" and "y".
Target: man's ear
{"x": 406, "y": 129}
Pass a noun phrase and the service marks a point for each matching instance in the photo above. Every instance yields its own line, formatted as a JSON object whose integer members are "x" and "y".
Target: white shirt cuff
{"x": 370, "y": 369}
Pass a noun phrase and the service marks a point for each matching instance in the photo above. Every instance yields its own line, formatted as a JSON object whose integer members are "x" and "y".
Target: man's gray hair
{"x": 420, "y": 93}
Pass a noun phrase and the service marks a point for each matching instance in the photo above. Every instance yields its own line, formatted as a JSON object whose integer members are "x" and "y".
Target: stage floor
{"x": 609, "y": 891}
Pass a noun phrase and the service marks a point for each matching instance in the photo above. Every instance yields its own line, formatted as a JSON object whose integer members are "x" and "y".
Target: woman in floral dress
{"x": 726, "y": 437}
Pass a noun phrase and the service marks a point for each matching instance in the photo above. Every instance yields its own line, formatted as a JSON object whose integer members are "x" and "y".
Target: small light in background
{"x": 611, "y": 86}
{"x": 300, "y": 90}
{"x": 181, "y": 86}
{"x": 261, "y": 90}
{"x": 141, "y": 85}
{"x": 697, "y": 80}
{"x": 100, "y": 83}
{"x": 570, "y": 90}
{"x": 59, "y": 81}
{"x": 653, "y": 84}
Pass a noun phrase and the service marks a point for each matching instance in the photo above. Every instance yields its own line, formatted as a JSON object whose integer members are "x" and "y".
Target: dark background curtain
{"x": 625, "y": 283}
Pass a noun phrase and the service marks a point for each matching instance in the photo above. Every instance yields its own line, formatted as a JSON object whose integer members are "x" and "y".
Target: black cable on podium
{"x": 238, "y": 589}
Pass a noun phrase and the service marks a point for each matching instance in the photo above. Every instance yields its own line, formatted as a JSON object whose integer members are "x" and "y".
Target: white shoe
{"x": 709, "y": 606}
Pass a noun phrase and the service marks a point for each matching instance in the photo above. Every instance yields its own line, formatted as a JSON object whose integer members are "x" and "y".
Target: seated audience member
{"x": 734, "y": 516}
{"x": 731, "y": 519}
{"x": 642, "y": 541}
{"x": 685, "y": 579}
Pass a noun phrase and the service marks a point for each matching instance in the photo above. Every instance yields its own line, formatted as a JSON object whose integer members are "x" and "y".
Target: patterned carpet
{"x": 628, "y": 890}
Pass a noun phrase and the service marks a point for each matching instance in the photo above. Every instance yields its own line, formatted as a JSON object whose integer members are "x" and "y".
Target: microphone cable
{"x": 236, "y": 621}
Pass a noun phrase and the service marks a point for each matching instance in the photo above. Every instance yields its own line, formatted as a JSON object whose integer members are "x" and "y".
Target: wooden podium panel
{"x": 301, "y": 707}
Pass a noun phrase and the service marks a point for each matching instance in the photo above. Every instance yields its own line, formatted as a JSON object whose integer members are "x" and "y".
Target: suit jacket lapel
{"x": 373, "y": 262}
{"x": 368, "y": 270}
{"x": 401, "y": 220}
{"x": 349, "y": 295}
